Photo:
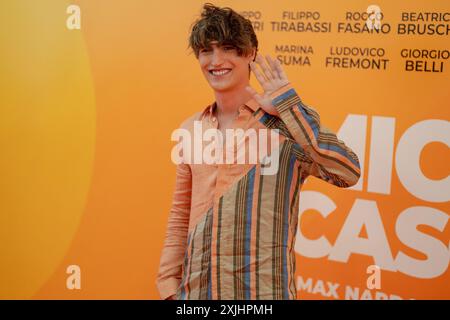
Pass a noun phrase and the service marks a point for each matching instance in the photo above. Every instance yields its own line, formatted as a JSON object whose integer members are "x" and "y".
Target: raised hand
{"x": 271, "y": 77}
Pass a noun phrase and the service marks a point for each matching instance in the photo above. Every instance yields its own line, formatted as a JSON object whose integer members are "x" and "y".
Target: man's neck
{"x": 229, "y": 102}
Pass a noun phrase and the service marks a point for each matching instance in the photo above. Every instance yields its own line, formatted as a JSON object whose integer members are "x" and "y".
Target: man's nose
{"x": 217, "y": 57}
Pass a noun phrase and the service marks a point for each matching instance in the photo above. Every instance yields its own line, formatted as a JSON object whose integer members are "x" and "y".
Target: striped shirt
{"x": 231, "y": 229}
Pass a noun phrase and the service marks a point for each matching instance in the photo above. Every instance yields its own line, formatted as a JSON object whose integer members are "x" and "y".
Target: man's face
{"x": 223, "y": 68}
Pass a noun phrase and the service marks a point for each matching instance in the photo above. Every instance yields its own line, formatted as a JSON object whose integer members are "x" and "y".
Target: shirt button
{"x": 213, "y": 119}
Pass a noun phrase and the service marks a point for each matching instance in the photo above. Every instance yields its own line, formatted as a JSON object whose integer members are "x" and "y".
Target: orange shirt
{"x": 231, "y": 229}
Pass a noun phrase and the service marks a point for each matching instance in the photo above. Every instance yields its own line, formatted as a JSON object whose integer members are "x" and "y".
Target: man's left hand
{"x": 271, "y": 78}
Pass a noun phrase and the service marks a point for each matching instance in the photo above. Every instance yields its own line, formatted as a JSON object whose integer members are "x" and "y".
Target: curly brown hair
{"x": 225, "y": 26}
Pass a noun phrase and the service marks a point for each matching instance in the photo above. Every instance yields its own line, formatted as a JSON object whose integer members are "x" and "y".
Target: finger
{"x": 280, "y": 70}
{"x": 255, "y": 94}
{"x": 267, "y": 71}
{"x": 273, "y": 67}
{"x": 251, "y": 90}
{"x": 258, "y": 74}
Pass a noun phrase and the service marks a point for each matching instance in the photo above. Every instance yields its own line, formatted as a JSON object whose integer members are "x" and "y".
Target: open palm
{"x": 271, "y": 77}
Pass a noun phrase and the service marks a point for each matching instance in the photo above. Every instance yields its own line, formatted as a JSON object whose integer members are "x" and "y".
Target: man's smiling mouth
{"x": 219, "y": 72}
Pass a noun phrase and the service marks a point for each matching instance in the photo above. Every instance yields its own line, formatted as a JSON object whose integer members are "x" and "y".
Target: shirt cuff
{"x": 168, "y": 287}
{"x": 284, "y": 98}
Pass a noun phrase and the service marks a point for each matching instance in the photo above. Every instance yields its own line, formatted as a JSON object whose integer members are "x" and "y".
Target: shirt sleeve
{"x": 332, "y": 160}
{"x": 172, "y": 256}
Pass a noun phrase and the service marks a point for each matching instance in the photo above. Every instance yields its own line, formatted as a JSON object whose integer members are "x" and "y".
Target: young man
{"x": 231, "y": 230}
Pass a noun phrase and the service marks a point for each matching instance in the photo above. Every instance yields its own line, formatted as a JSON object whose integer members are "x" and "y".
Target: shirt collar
{"x": 209, "y": 110}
